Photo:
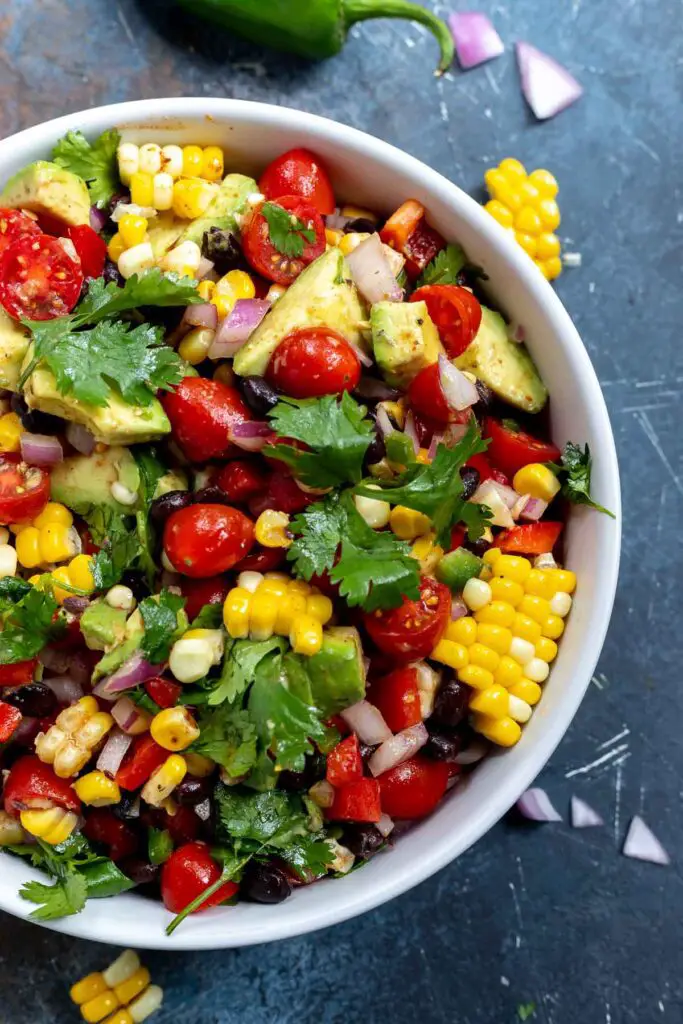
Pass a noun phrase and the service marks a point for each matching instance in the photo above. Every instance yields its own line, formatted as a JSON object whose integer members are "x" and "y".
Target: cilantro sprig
{"x": 28, "y": 622}
{"x": 575, "y": 473}
{"x": 95, "y": 163}
{"x": 287, "y": 232}
{"x": 164, "y": 620}
{"x": 447, "y": 267}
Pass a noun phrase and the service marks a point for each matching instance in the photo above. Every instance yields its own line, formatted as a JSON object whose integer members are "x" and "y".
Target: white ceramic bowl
{"x": 368, "y": 171}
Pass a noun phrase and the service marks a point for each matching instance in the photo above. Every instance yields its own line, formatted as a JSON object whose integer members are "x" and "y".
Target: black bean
{"x": 193, "y": 791}
{"x": 258, "y": 394}
{"x": 376, "y": 451}
{"x": 34, "y": 699}
{"x": 362, "y": 840}
{"x": 292, "y": 782}
{"x": 33, "y": 421}
{"x": 75, "y": 605}
{"x": 485, "y": 395}
{"x": 222, "y": 248}
{"x": 128, "y": 807}
{"x": 265, "y": 883}
{"x": 314, "y": 771}
{"x": 477, "y": 547}
{"x": 111, "y": 273}
{"x": 443, "y": 746}
{"x": 211, "y": 495}
{"x": 361, "y": 225}
{"x": 470, "y": 480}
{"x": 136, "y": 582}
{"x": 451, "y": 703}
{"x": 161, "y": 508}
{"x": 140, "y": 871}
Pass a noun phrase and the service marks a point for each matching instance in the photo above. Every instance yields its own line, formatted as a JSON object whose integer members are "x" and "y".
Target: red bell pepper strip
{"x": 32, "y": 784}
{"x": 19, "y": 673}
{"x": 146, "y": 757}
{"x": 530, "y": 539}
{"x": 344, "y": 763}
{"x": 357, "y": 801}
{"x": 163, "y": 692}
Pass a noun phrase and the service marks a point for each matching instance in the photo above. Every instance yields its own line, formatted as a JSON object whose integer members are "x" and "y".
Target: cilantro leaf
{"x": 445, "y": 267}
{"x": 526, "y": 1010}
{"x": 576, "y": 468}
{"x": 336, "y": 433}
{"x": 436, "y": 489}
{"x": 63, "y": 897}
{"x": 12, "y": 589}
{"x": 153, "y": 288}
{"x": 120, "y": 550}
{"x": 162, "y": 619}
{"x": 151, "y": 470}
{"x": 95, "y": 163}
{"x": 228, "y": 737}
{"x": 287, "y": 232}
{"x": 240, "y": 667}
{"x": 210, "y": 617}
{"x": 28, "y": 625}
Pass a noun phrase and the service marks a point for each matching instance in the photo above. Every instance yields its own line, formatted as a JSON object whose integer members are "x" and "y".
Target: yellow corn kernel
{"x": 494, "y": 702}
{"x": 80, "y": 573}
{"x": 537, "y": 480}
{"x": 475, "y": 676}
{"x": 352, "y": 240}
{"x": 146, "y": 1004}
{"x": 408, "y": 524}
{"x": 95, "y": 729}
{"x": 199, "y": 765}
{"x": 115, "y": 248}
{"x": 527, "y": 628}
{"x": 97, "y": 790}
{"x": 194, "y": 348}
{"x": 540, "y": 584}
{"x": 191, "y": 197}
{"x": 564, "y": 580}
{"x": 290, "y": 607}
{"x": 544, "y": 182}
{"x": 270, "y": 529}
{"x": 125, "y": 964}
{"x": 509, "y": 195}
{"x": 548, "y": 246}
{"x": 53, "y": 826}
{"x": 131, "y": 988}
{"x": 527, "y": 242}
{"x": 491, "y": 556}
{"x": 88, "y": 988}
{"x": 537, "y": 608}
{"x": 174, "y": 728}
{"x": 481, "y": 655}
{"x": 504, "y": 732}
{"x": 236, "y": 613}
{"x": 546, "y": 649}
{"x": 513, "y": 170}
{"x": 193, "y": 158}
{"x": 319, "y": 607}
{"x": 513, "y": 567}
{"x": 234, "y": 285}
{"x": 500, "y": 213}
{"x": 206, "y": 290}
{"x": 263, "y": 613}
{"x": 498, "y": 638}
{"x": 120, "y": 1016}
{"x": 133, "y": 229}
{"x": 306, "y": 635}
{"x": 427, "y": 552}
{"x": 551, "y": 268}
{"x": 27, "y": 546}
{"x": 423, "y": 457}
{"x": 504, "y": 589}
{"x": 142, "y": 189}
{"x": 164, "y": 780}
{"x": 450, "y": 653}
{"x": 498, "y": 613}
{"x": 549, "y": 214}
{"x": 553, "y": 627}
{"x": 212, "y": 163}
{"x": 275, "y": 587}
{"x": 224, "y": 374}
{"x": 508, "y": 673}
{"x": 100, "y": 1007}
{"x": 61, "y": 575}
{"x": 299, "y": 587}
{"x": 462, "y": 631}
{"x": 56, "y": 543}
{"x": 333, "y": 237}
{"x": 526, "y": 690}
{"x": 54, "y": 512}
{"x": 11, "y": 430}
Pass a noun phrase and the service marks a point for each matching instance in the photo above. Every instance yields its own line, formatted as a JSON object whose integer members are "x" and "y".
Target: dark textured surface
{"x": 548, "y": 915}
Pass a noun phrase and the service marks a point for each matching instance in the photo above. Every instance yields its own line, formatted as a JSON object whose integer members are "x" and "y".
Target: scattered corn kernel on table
{"x": 543, "y": 923}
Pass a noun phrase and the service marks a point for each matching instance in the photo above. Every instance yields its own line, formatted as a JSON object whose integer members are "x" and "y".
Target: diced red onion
{"x": 459, "y": 391}
{"x": 642, "y": 844}
{"x": 533, "y": 509}
{"x": 476, "y": 751}
{"x": 65, "y": 688}
{"x": 203, "y": 314}
{"x": 55, "y": 660}
{"x": 436, "y": 440}
{"x": 129, "y": 717}
{"x": 536, "y": 806}
{"x": 371, "y": 387}
{"x": 476, "y": 40}
{"x": 98, "y": 218}
{"x": 80, "y": 438}
{"x": 372, "y": 273}
{"x": 583, "y": 816}
{"x": 454, "y": 433}
{"x": 337, "y": 221}
{"x": 488, "y": 493}
{"x": 398, "y": 749}
{"x": 40, "y": 449}
{"x": 367, "y": 722}
{"x": 458, "y": 609}
{"x": 363, "y": 358}
{"x": 234, "y": 330}
{"x": 410, "y": 430}
{"x": 384, "y": 424}
{"x": 204, "y": 269}
{"x": 385, "y": 825}
{"x": 252, "y": 435}
{"x": 113, "y": 752}
{"x": 547, "y": 86}
{"x": 203, "y": 810}
{"x": 79, "y": 668}
{"x": 134, "y": 671}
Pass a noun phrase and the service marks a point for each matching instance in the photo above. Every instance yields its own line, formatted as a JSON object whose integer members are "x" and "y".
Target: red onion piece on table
{"x": 548, "y": 87}
{"x": 642, "y": 844}
{"x": 98, "y": 218}
{"x": 372, "y": 273}
{"x": 133, "y": 672}
{"x": 234, "y": 330}
{"x": 40, "y": 449}
{"x": 476, "y": 40}
{"x": 367, "y": 722}
{"x": 113, "y": 752}
{"x": 252, "y": 436}
{"x": 80, "y": 438}
{"x": 203, "y": 314}
{"x": 582, "y": 815}
{"x": 535, "y": 805}
{"x": 65, "y": 688}
{"x": 398, "y": 749}
{"x": 385, "y": 825}
{"x": 129, "y": 717}
{"x": 459, "y": 391}
{"x": 410, "y": 430}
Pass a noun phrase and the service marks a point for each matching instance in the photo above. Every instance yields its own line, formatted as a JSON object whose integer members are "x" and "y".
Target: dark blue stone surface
{"x": 545, "y": 915}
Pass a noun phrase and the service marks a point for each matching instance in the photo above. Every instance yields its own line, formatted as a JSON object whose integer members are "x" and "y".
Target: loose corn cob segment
{"x": 164, "y": 780}
{"x": 260, "y": 607}
{"x": 69, "y": 743}
{"x": 122, "y": 994}
{"x": 525, "y": 205}
{"x": 504, "y": 648}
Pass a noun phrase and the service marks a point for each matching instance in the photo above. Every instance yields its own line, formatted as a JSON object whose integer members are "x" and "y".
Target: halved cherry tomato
{"x": 91, "y": 249}
{"x": 241, "y": 481}
{"x": 24, "y": 490}
{"x": 425, "y": 395}
{"x": 198, "y": 592}
{"x": 456, "y": 313}
{"x": 344, "y": 763}
{"x": 162, "y": 691}
{"x": 19, "y": 673}
{"x": 39, "y": 280}
{"x": 102, "y": 826}
{"x": 15, "y": 224}
{"x": 262, "y": 560}
{"x": 187, "y": 873}
{"x": 138, "y": 765}
{"x": 413, "y": 630}
{"x": 414, "y": 788}
{"x": 201, "y": 540}
{"x": 32, "y": 784}
{"x": 356, "y": 801}
{"x": 313, "y": 361}
{"x": 202, "y": 414}
{"x": 10, "y": 718}
{"x": 299, "y": 173}
{"x": 511, "y": 449}
{"x": 408, "y": 232}
{"x": 398, "y": 698}
{"x": 530, "y": 539}
{"x": 264, "y": 256}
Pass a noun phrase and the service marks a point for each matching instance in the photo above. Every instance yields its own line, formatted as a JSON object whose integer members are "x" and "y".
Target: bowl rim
{"x": 92, "y": 924}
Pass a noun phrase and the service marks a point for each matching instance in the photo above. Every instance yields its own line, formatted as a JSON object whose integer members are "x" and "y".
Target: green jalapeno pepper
{"x": 315, "y": 28}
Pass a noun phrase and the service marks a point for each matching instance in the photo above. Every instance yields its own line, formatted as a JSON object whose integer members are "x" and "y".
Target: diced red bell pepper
{"x": 102, "y": 826}
{"x": 344, "y": 763}
{"x": 530, "y": 539}
{"x": 19, "y": 673}
{"x": 32, "y": 784}
{"x": 458, "y": 534}
{"x": 146, "y": 757}
{"x": 408, "y": 232}
{"x": 337, "y": 722}
{"x": 509, "y": 449}
{"x": 357, "y": 801}
{"x": 10, "y": 717}
{"x": 398, "y": 698}
{"x": 163, "y": 692}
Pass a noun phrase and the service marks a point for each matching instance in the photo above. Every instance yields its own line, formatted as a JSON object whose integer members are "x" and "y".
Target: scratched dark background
{"x": 542, "y": 915}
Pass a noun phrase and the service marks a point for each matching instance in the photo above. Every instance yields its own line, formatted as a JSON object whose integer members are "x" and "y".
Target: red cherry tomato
{"x": 413, "y": 630}
{"x": 39, "y": 280}
{"x": 482, "y": 465}
{"x": 187, "y": 873}
{"x": 414, "y": 788}
{"x": 530, "y": 539}
{"x": 197, "y": 593}
{"x": 32, "y": 784}
{"x": 456, "y": 313}
{"x": 202, "y": 540}
{"x": 138, "y": 765}
{"x": 241, "y": 481}
{"x": 426, "y": 396}
{"x": 356, "y": 801}
{"x": 10, "y": 718}
{"x": 91, "y": 249}
{"x": 282, "y": 494}
{"x": 163, "y": 692}
{"x": 183, "y": 825}
{"x": 24, "y": 490}
{"x": 408, "y": 232}
{"x": 510, "y": 449}
{"x": 398, "y": 698}
{"x": 344, "y": 763}
{"x": 299, "y": 173}
{"x": 202, "y": 414}
{"x": 262, "y": 560}
{"x": 313, "y": 361}
{"x": 102, "y": 826}
{"x": 264, "y": 256}
{"x": 19, "y": 673}
{"x": 15, "y": 224}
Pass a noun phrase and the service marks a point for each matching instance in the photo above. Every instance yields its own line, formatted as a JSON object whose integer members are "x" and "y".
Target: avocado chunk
{"x": 82, "y": 482}
{"x": 46, "y": 188}
{"x": 117, "y": 422}
{"x": 163, "y": 232}
{"x": 124, "y": 649}
{"x": 222, "y": 211}
{"x": 336, "y": 673}
{"x": 102, "y": 626}
{"x": 174, "y": 480}
{"x": 14, "y": 342}
{"x": 404, "y": 339}
{"x": 323, "y": 295}
{"x": 504, "y": 365}
{"x": 457, "y": 567}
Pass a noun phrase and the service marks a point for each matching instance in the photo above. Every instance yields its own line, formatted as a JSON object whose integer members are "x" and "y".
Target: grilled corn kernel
{"x": 270, "y": 529}
{"x": 193, "y": 159}
{"x": 526, "y": 690}
{"x": 183, "y": 259}
{"x": 174, "y": 728}
{"x": 142, "y": 189}
{"x": 319, "y": 607}
{"x": 131, "y": 988}
{"x": 553, "y": 627}
{"x": 212, "y": 163}
{"x": 520, "y": 711}
{"x": 162, "y": 191}
{"x": 306, "y": 635}
{"x": 508, "y": 671}
{"x": 537, "y": 670}
{"x": 115, "y": 248}
{"x": 537, "y": 480}
{"x": 150, "y": 158}
{"x": 450, "y": 653}
{"x": 498, "y": 613}
{"x": 494, "y": 702}
{"x": 191, "y": 197}
{"x": 133, "y": 229}
{"x": 172, "y": 160}
{"x": 498, "y": 638}
{"x": 504, "y": 732}
{"x": 236, "y": 613}
{"x": 526, "y": 627}
{"x": 88, "y": 988}
{"x": 564, "y": 580}
{"x": 561, "y": 604}
{"x": 194, "y": 348}
{"x": 546, "y": 649}
{"x": 11, "y": 430}
{"x": 128, "y": 156}
{"x": 70, "y": 759}
{"x": 476, "y": 594}
{"x": 100, "y": 1007}
{"x": 97, "y": 790}
{"x": 408, "y": 524}
{"x": 146, "y": 1004}
{"x": 484, "y": 656}
{"x": 462, "y": 631}
{"x": 136, "y": 260}
{"x": 53, "y": 826}
{"x": 122, "y": 968}
{"x": 376, "y": 513}
{"x": 164, "y": 780}
{"x": 475, "y": 676}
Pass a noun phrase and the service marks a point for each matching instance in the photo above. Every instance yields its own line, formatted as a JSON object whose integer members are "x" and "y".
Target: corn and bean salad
{"x": 280, "y": 526}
